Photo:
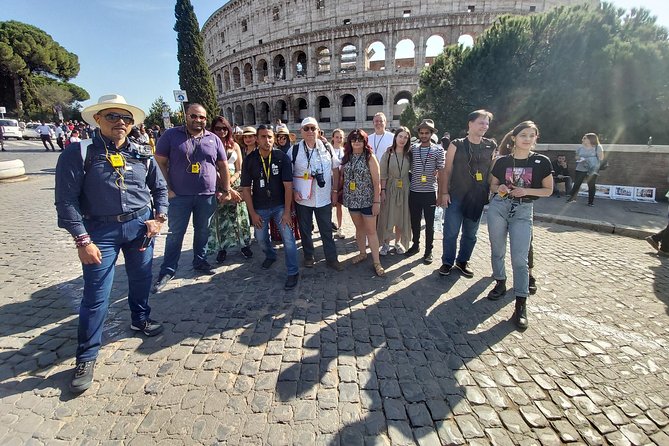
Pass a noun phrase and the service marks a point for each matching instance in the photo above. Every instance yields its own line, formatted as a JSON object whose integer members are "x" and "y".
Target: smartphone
{"x": 145, "y": 243}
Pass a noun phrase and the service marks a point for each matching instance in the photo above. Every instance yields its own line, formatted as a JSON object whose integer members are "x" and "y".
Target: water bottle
{"x": 439, "y": 218}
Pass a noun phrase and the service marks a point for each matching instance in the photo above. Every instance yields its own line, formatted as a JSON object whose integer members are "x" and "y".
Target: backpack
{"x": 296, "y": 148}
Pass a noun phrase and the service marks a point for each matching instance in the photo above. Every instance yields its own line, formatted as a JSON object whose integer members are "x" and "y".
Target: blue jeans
{"x": 453, "y": 222}
{"x": 110, "y": 238}
{"x": 506, "y": 217}
{"x": 324, "y": 222}
{"x": 289, "y": 245}
{"x": 202, "y": 207}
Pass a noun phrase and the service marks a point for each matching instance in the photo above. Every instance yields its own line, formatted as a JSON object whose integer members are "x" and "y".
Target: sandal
{"x": 378, "y": 269}
{"x": 359, "y": 258}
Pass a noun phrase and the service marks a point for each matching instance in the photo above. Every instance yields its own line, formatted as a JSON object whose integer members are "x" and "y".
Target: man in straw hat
{"x": 427, "y": 164}
{"x": 467, "y": 166}
{"x": 104, "y": 192}
{"x": 189, "y": 157}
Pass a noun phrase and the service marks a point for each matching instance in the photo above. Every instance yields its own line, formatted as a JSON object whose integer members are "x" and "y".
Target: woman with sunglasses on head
{"x": 394, "y": 218}
{"x": 362, "y": 194}
{"x": 589, "y": 157}
{"x": 230, "y": 226}
{"x": 516, "y": 180}
{"x": 338, "y": 153}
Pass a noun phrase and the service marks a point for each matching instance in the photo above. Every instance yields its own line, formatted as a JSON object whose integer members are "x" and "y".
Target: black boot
{"x": 499, "y": 291}
{"x": 520, "y": 315}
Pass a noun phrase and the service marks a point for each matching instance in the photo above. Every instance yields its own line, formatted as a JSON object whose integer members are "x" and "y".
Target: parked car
{"x": 31, "y": 131}
{"x": 11, "y": 129}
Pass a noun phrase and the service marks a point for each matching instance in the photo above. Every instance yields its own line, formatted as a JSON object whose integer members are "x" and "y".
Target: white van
{"x": 11, "y": 129}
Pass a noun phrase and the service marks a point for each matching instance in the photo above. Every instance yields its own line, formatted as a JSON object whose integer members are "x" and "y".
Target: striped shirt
{"x": 426, "y": 162}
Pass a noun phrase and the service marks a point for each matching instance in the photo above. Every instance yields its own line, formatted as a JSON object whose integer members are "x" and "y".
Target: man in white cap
{"x": 105, "y": 187}
{"x": 316, "y": 168}
{"x": 189, "y": 157}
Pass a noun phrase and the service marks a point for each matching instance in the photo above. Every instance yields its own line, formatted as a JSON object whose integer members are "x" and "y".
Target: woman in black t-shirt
{"x": 511, "y": 210}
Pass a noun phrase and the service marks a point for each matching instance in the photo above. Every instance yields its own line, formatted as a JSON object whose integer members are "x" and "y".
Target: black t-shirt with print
{"x": 254, "y": 175}
{"x": 527, "y": 172}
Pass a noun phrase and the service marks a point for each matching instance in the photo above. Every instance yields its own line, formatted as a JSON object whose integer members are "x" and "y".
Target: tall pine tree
{"x": 194, "y": 75}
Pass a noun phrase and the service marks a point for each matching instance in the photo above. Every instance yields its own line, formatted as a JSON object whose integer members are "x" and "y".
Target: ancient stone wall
{"x": 340, "y": 62}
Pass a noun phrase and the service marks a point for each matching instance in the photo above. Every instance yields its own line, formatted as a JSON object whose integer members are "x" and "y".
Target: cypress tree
{"x": 194, "y": 75}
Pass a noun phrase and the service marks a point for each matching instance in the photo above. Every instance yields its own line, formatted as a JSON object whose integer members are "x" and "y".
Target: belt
{"x": 121, "y": 218}
{"x": 522, "y": 200}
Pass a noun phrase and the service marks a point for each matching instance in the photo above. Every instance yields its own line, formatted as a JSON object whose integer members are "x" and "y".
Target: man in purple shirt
{"x": 190, "y": 158}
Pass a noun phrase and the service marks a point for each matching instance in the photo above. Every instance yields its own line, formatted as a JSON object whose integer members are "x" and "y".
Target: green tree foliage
{"x": 155, "y": 115}
{"x": 409, "y": 118}
{"x": 571, "y": 70}
{"x": 194, "y": 75}
{"x": 34, "y": 69}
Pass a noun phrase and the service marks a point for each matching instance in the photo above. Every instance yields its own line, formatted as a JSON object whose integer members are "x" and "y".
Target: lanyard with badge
{"x": 193, "y": 167}
{"x": 478, "y": 175}
{"x": 309, "y": 153}
{"x": 267, "y": 171}
{"x": 423, "y": 177}
{"x": 351, "y": 184}
{"x": 398, "y": 182}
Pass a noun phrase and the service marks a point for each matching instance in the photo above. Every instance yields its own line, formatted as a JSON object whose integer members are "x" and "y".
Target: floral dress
{"x": 230, "y": 226}
{"x": 357, "y": 171}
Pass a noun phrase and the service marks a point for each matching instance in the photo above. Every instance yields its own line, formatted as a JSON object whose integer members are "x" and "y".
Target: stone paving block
{"x": 547, "y": 437}
{"x": 513, "y": 422}
{"x": 469, "y": 427}
{"x": 635, "y": 435}
{"x": 566, "y": 431}
{"x": 154, "y": 420}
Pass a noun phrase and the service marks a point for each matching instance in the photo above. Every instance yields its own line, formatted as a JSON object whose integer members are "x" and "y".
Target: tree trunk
{"x": 17, "y": 96}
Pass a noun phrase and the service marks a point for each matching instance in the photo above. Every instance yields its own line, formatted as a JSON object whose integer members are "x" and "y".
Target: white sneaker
{"x": 399, "y": 249}
{"x": 384, "y": 250}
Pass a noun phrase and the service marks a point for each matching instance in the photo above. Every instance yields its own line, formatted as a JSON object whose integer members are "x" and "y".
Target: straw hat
{"x": 112, "y": 101}
{"x": 427, "y": 124}
{"x": 283, "y": 130}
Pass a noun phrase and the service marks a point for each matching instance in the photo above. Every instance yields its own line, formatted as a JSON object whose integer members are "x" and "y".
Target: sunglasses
{"x": 309, "y": 128}
{"x": 357, "y": 139}
{"x": 200, "y": 117}
{"x": 116, "y": 117}
{"x": 218, "y": 129}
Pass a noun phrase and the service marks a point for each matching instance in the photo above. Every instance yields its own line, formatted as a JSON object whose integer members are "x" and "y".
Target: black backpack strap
{"x": 296, "y": 148}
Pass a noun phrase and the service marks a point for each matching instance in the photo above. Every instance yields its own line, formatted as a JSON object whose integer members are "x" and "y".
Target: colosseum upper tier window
{"x": 320, "y": 4}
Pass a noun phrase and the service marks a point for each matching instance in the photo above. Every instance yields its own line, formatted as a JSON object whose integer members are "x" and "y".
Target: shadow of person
{"x": 660, "y": 278}
{"x": 420, "y": 341}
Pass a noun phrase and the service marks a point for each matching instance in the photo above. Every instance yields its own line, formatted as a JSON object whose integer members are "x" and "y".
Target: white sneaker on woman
{"x": 384, "y": 249}
{"x": 399, "y": 249}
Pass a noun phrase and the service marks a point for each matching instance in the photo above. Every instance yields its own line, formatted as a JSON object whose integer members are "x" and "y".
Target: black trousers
{"x": 422, "y": 204}
{"x": 662, "y": 238}
{"x": 46, "y": 138}
{"x": 578, "y": 180}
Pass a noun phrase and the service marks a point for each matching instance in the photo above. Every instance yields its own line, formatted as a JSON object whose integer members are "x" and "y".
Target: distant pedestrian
{"x": 517, "y": 180}
{"x": 45, "y": 135}
{"x": 60, "y": 136}
{"x": 2, "y": 139}
{"x": 588, "y": 158}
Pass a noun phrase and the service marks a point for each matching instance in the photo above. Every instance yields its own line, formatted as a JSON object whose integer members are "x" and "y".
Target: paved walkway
{"x": 346, "y": 358}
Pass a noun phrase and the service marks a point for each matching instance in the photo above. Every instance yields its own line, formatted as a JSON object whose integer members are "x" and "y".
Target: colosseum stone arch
{"x": 340, "y": 61}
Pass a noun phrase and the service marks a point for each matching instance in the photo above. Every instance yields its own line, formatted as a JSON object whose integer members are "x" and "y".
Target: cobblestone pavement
{"x": 346, "y": 358}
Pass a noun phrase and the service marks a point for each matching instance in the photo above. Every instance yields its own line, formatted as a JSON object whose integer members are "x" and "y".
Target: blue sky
{"x": 129, "y": 46}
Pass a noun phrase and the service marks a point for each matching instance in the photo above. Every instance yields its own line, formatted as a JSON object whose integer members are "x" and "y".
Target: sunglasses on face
{"x": 281, "y": 136}
{"x": 116, "y": 117}
{"x": 309, "y": 129}
{"x": 198, "y": 117}
{"x": 357, "y": 139}
{"x": 220, "y": 129}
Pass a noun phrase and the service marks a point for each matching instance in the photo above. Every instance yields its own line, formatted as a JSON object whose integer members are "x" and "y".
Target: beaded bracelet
{"x": 82, "y": 240}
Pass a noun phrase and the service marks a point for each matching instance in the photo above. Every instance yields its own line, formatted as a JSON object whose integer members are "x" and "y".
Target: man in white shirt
{"x": 60, "y": 136}
{"x": 315, "y": 179}
{"x": 381, "y": 139}
{"x": 45, "y": 135}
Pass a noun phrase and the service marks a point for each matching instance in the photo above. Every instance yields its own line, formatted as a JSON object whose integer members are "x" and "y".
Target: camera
{"x": 320, "y": 179}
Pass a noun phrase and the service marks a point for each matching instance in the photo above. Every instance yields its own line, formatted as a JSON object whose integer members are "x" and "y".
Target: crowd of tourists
{"x": 116, "y": 189}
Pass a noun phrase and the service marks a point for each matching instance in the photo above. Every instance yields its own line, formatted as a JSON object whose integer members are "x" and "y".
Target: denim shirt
{"x": 98, "y": 190}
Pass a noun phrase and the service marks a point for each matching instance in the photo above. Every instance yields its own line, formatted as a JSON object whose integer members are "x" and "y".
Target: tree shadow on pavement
{"x": 661, "y": 281}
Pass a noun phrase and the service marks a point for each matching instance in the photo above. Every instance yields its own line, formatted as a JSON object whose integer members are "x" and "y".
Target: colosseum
{"x": 340, "y": 61}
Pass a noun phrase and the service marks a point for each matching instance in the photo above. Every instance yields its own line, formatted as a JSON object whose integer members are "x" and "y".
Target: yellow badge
{"x": 306, "y": 175}
{"x": 351, "y": 185}
{"x": 116, "y": 160}
{"x": 399, "y": 184}
{"x": 195, "y": 168}
{"x": 479, "y": 176}
{"x": 423, "y": 178}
